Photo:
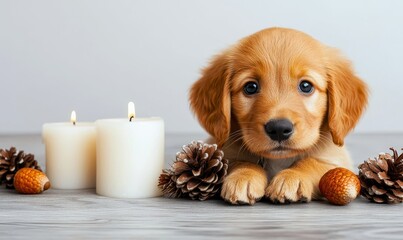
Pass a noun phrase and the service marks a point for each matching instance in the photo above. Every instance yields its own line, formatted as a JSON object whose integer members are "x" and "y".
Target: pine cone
{"x": 197, "y": 172}
{"x": 11, "y": 162}
{"x": 382, "y": 178}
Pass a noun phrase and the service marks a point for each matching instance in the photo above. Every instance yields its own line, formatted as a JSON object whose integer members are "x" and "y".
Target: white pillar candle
{"x": 130, "y": 156}
{"x": 70, "y": 154}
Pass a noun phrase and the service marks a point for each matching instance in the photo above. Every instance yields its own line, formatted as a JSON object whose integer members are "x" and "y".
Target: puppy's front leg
{"x": 300, "y": 182}
{"x": 245, "y": 183}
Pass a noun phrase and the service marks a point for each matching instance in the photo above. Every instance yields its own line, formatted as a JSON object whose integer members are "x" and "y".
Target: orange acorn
{"x": 30, "y": 181}
{"x": 340, "y": 186}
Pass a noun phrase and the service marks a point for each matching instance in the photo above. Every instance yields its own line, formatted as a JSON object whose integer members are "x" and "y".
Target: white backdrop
{"x": 95, "y": 56}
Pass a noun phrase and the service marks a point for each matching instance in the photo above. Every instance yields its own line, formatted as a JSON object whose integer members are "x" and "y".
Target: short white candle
{"x": 130, "y": 156}
{"x": 70, "y": 154}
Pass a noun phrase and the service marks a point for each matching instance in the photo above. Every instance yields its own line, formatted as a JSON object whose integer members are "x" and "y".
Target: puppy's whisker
{"x": 234, "y": 137}
{"x": 242, "y": 148}
{"x": 322, "y": 141}
{"x": 238, "y": 136}
{"x": 235, "y": 134}
{"x": 246, "y": 142}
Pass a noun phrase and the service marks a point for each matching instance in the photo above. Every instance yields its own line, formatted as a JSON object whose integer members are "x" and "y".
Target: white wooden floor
{"x": 84, "y": 215}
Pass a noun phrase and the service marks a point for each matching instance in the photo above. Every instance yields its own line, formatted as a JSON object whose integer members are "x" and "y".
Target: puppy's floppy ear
{"x": 211, "y": 101}
{"x": 347, "y": 97}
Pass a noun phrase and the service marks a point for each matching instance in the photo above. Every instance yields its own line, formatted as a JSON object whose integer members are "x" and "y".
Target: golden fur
{"x": 278, "y": 59}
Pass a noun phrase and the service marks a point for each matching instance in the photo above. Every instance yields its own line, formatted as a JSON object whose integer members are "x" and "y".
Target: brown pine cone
{"x": 197, "y": 172}
{"x": 11, "y": 161}
{"x": 167, "y": 182}
{"x": 382, "y": 178}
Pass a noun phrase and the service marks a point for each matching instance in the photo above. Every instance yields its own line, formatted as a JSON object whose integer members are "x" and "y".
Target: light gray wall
{"x": 95, "y": 56}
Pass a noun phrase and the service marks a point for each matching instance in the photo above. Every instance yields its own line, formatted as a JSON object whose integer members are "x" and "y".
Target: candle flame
{"x": 130, "y": 111}
{"x": 73, "y": 117}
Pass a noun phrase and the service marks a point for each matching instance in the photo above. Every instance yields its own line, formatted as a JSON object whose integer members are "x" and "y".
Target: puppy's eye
{"x": 305, "y": 87}
{"x": 251, "y": 88}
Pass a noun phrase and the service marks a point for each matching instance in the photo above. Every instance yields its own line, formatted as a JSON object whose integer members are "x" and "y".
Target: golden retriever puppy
{"x": 280, "y": 104}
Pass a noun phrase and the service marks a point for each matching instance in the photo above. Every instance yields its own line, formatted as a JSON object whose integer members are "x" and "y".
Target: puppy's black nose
{"x": 279, "y": 129}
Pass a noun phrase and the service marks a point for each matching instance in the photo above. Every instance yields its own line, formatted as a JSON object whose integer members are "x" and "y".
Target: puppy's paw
{"x": 244, "y": 186}
{"x": 290, "y": 186}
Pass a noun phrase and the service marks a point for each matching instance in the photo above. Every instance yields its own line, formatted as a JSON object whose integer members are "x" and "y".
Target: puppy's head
{"x": 279, "y": 91}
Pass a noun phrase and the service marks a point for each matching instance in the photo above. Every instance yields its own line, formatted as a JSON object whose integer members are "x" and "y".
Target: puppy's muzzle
{"x": 279, "y": 129}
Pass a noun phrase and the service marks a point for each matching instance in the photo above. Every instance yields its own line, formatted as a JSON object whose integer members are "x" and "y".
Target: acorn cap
{"x": 339, "y": 186}
{"x": 31, "y": 181}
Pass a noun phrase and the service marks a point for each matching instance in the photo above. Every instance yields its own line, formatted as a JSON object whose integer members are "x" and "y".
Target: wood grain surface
{"x": 81, "y": 214}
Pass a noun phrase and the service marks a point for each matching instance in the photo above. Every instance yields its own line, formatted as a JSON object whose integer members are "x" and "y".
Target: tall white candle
{"x": 130, "y": 156}
{"x": 70, "y": 154}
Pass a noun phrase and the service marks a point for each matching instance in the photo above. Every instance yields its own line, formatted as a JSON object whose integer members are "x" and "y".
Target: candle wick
{"x": 74, "y": 123}
{"x": 131, "y": 118}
